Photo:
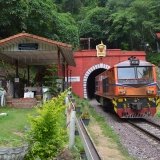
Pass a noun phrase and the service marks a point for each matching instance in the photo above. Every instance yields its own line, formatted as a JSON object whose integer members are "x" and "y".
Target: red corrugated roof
{"x": 10, "y": 54}
{"x": 27, "y": 35}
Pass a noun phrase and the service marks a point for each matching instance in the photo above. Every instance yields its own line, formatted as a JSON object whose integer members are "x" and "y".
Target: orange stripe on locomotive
{"x": 130, "y": 89}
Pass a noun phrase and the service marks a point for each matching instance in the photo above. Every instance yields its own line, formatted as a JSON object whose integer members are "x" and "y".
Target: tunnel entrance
{"x": 90, "y": 87}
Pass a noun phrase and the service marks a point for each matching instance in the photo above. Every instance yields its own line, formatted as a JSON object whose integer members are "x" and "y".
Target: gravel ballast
{"x": 134, "y": 141}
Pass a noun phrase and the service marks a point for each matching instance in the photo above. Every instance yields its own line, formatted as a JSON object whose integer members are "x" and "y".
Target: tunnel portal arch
{"x": 89, "y": 71}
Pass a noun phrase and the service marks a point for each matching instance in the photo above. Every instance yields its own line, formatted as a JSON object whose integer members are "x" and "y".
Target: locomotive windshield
{"x": 135, "y": 72}
{"x": 144, "y": 72}
{"x": 126, "y": 73}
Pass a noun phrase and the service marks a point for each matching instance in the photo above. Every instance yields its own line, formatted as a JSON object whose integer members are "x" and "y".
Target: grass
{"x": 157, "y": 115}
{"x": 12, "y": 126}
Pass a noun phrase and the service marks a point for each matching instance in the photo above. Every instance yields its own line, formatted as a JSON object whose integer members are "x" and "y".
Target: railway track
{"x": 150, "y": 131}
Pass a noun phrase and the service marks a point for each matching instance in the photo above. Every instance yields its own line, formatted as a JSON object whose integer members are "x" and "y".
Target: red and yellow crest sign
{"x": 101, "y": 50}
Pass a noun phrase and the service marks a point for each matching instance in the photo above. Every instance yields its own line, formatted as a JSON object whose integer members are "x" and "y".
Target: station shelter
{"x": 24, "y": 50}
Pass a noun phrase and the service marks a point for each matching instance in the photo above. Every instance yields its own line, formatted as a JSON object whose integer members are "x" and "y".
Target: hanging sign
{"x": 28, "y": 46}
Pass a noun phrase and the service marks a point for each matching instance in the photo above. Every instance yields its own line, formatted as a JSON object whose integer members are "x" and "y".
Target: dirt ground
{"x": 107, "y": 149}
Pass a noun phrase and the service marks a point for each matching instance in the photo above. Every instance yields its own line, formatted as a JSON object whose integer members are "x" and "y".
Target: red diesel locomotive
{"x": 130, "y": 88}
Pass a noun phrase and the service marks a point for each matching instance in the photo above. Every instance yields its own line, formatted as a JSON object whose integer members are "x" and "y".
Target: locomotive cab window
{"x": 144, "y": 72}
{"x": 126, "y": 73}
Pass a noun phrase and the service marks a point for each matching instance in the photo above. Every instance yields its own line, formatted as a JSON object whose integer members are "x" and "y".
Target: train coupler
{"x": 136, "y": 106}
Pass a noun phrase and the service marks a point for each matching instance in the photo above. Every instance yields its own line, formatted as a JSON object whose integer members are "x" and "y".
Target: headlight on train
{"x": 150, "y": 91}
{"x": 122, "y": 92}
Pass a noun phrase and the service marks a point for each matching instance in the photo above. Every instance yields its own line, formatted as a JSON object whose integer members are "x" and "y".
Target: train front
{"x": 136, "y": 89}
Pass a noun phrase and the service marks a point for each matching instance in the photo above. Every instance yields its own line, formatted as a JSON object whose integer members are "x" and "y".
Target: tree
{"x": 12, "y": 17}
{"x": 93, "y": 25}
{"x": 37, "y": 17}
{"x": 51, "y": 80}
{"x": 135, "y": 24}
{"x": 65, "y": 29}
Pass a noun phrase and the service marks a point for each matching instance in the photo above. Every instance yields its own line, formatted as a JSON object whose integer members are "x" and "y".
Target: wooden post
{"x": 28, "y": 73}
{"x": 16, "y": 62}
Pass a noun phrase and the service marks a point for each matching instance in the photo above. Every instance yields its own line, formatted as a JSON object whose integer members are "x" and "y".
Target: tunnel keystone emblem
{"x": 101, "y": 50}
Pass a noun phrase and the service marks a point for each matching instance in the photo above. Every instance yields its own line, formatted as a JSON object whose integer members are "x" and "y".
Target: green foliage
{"x": 157, "y": 115}
{"x": 78, "y": 144}
{"x": 124, "y": 46}
{"x": 132, "y": 22}
{"x": 72, "y": 6}
{"x": 51, "y": 80}
{"x": 153, "y": 58}
{"x": 12, "y": 16}
{"x": 85, "y": 115}
{"x": 48, "y": 136}
{"x": 65, "y": 29}
{"x": 37, "y": 17}
{"x": 93, "y": 25}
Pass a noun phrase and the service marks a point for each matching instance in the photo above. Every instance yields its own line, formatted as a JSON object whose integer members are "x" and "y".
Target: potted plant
{"x": 76, "y": 131}
{"x": 85, "y": 118}
{"x": 77, "y": 109}
{"x": 82, "y": 153}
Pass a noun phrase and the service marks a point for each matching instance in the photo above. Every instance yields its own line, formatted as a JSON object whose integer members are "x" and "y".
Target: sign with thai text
{"x": 28, "y": 46}
{"x": 73, "y": 79}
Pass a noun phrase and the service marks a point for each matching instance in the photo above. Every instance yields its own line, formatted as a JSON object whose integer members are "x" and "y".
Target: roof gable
{"x": 46, "y": 52}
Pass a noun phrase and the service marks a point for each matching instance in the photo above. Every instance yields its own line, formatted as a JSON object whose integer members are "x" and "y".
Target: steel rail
{"x": 88, "y": 144}
{"x": 147, "y": 132}
{"x": 152, "y": 123}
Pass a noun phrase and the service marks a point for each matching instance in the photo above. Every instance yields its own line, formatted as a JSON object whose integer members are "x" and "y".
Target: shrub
{"x": 51, "y": 80}
{"x": 47, "y": 136}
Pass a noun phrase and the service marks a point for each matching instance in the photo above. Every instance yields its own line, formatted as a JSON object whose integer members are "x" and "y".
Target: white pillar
{"x": 66, "y": 100}
{"x": 72, "y": 129}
